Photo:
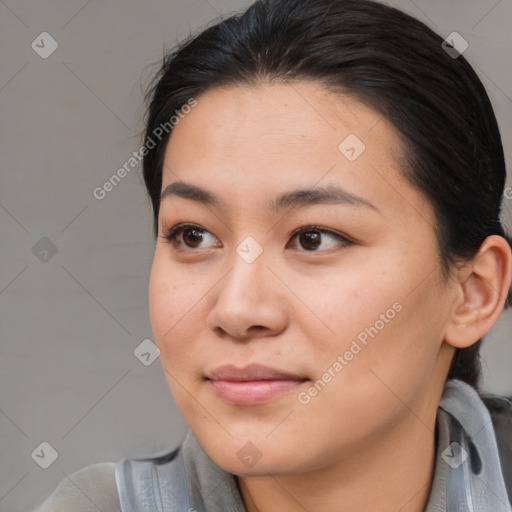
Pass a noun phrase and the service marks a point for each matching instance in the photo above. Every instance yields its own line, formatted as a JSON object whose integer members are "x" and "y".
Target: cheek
{"x": 175, "y": 320}
{"x": 365, "y": 376}
{"x": 382, "y": 318}
{"x": 389, "y": 353}
{"x": 343, "y": 305}
{"x": 175, "y": 308}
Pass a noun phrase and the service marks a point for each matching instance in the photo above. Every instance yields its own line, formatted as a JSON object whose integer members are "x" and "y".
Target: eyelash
{"x": 172, "y": 234}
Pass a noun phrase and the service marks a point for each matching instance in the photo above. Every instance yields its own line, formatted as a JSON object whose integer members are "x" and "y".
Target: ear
{"x": 483, "y": 285}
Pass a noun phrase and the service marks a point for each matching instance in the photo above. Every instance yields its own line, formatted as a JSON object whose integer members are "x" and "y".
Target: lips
{"x": 252, "y": 385}
{"x": 251, "y": 373}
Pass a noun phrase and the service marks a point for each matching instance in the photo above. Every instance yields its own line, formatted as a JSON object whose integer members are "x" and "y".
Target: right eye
{"x": 188, "y": 235}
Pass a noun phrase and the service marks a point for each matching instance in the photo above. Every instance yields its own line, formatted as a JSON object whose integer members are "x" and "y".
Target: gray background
{"x": 69, "y": 325}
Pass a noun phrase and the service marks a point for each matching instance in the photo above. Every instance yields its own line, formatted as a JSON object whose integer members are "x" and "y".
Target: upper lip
{"x": 250, "y": 373}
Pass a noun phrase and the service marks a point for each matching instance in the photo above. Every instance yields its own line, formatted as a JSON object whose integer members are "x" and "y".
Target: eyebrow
{"x": 330, "y": 194}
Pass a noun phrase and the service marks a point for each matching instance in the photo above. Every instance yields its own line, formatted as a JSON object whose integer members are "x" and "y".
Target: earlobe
{"x": 483, "y": 288}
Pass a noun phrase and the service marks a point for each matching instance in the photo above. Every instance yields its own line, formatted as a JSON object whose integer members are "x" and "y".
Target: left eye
{"x": 312, "y": 237}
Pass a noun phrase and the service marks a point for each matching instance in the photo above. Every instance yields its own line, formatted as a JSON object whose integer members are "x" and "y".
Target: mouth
{"x": 252, "y": 385}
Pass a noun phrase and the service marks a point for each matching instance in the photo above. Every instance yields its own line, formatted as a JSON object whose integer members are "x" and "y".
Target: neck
{"x": 393, "y": 472}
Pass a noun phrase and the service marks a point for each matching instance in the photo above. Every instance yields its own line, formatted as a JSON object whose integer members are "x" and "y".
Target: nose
{"x": 249, "y": 302}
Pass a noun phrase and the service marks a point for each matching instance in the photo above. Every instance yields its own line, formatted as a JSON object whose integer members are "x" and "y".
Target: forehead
{"x": 262, "y": 138}
{"x": 282, "y": 116}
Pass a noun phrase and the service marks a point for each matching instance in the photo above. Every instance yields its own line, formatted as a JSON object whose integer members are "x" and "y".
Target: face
{"x": 293, "y": 327}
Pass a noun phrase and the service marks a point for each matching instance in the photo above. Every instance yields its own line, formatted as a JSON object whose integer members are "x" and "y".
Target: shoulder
{"x": 497, "y": 404}
{"x": 89, "y": 489}
{"x": 500, "y": 410}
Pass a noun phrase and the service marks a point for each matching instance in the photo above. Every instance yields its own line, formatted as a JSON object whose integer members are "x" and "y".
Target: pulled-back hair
{"x": 383, "y": 57}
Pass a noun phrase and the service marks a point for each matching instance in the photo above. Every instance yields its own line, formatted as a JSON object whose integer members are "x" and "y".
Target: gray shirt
{"x": 471, "y": 474}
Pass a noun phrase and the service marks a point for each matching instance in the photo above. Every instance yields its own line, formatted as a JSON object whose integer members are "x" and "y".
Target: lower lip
{"x": 252, "y": 392}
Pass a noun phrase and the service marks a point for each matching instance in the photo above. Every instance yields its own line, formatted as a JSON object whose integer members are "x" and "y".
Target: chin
{"x": 264, "y": 466}
{"x": 250, "y": 455}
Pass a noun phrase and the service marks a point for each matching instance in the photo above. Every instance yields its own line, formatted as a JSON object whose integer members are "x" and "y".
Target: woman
{"x": 326, "y": 180}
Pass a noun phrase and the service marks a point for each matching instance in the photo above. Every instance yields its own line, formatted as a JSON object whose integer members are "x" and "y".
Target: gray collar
{"x": 467, "y": 474}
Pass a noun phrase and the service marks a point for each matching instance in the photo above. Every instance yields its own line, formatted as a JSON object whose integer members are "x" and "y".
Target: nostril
{"x": 257, "y": 328}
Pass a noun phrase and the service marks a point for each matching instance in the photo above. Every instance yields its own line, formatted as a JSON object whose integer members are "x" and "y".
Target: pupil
{"x": 193, "y": 236}
{"x": 310, "y": 239}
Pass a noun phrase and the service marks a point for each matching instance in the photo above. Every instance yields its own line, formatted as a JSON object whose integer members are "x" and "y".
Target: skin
{"x": 371, "y": 426}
